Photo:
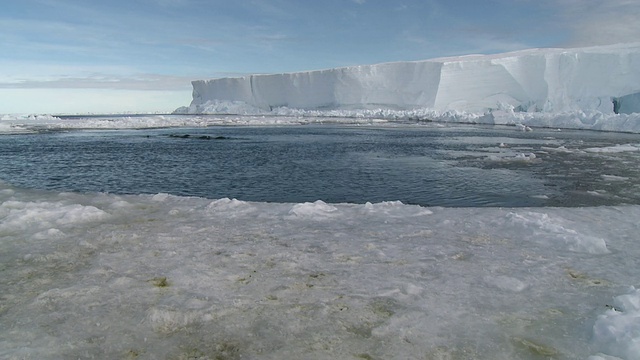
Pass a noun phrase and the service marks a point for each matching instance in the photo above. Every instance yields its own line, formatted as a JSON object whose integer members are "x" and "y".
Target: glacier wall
{"x": 603, "y": 78}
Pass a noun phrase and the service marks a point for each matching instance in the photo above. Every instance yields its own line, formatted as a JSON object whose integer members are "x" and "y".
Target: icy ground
{"x": 213, "y": 113}
{"x": 158, "y": 276}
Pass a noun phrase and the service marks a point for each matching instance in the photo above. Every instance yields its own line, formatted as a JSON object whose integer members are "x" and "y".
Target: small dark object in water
{"x": 207, "y": 137}
{"x": 201, "y": 137}
{"x": 185, "y": 136}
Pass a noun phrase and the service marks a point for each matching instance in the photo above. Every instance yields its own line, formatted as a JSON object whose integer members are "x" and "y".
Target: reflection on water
{"x": 425, "y": 165}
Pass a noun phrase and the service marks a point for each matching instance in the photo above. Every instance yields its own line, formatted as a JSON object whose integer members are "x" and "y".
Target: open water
{"x": 429, "y": 165}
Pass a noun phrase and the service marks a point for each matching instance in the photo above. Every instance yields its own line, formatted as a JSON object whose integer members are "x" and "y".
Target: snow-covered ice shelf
{"x": 603, "y": 78}
{"x": 595, "y": 88}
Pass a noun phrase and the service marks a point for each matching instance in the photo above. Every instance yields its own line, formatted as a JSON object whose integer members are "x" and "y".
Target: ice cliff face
{"x": 605, "y": 78}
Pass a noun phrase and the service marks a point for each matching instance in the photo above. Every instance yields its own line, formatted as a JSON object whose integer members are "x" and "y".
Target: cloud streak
{"x": 594, "y": 22}
{"x": 98, "y": 81}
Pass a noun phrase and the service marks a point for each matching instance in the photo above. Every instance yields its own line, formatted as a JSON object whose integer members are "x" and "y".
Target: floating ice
{"x": 614, "y": 177}
{"x": 512, "y": 157}
{"x": 615, "y": 149}
{"x": 523, "y": 127}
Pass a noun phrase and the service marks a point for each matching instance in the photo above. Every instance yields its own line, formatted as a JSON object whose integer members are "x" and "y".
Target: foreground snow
{"x": 106, "y": 276}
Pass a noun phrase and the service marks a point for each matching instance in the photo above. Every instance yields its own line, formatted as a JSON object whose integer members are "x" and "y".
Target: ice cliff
{"x": 603, "y": 78}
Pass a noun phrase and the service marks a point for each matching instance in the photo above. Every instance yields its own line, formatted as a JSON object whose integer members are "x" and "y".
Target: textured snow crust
{"x": 162, "y": 276}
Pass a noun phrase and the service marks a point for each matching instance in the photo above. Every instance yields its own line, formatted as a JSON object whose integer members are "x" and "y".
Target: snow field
{"x": 629, "y": 123}
{"x": 100, "y": 275}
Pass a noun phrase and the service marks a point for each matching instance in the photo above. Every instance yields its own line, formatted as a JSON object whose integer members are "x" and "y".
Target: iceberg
{"x": 605, "y": 79}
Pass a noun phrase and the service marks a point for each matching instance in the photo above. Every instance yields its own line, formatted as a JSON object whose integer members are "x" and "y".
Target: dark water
{"x": 425, "y": 165}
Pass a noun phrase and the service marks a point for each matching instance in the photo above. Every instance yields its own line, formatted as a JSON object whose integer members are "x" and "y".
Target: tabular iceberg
{"x": 602, "y": 78}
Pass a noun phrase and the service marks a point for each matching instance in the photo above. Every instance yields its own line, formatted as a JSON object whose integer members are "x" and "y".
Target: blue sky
{"x": 82, "y": 56}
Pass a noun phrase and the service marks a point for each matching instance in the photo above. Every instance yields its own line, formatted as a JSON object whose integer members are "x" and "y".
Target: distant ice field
{"x": 426, "y": 164}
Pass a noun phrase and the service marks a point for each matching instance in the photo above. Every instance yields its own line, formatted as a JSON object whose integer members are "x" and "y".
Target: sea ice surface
{"x": 163, "y": 276}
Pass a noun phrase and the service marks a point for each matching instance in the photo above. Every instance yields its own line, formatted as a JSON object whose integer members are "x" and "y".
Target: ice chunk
{"x": 316, "y": 210}
{"x": 558, "y": 231}
{"x": 614, "y": 149}
{"x": 31, "y": 216}
{"x": 614, "y": 177}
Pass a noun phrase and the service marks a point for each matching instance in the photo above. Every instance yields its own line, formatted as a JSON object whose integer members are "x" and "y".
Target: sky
{"x": 90, "y": 56}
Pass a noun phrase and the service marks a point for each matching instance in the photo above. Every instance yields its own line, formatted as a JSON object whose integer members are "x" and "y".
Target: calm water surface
{"x": 426, "y": 165}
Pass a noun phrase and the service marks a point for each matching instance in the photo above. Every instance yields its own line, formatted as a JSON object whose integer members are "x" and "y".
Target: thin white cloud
{"x": 170, "y": 3}
{"x": 33, "y": 70}
{"x": 41, "y": 75}
{"x": 90, "y": 101}
{"x": 596, "y": 22}
{"x": 101, "y": 81}
{"x": 562, "y": 23}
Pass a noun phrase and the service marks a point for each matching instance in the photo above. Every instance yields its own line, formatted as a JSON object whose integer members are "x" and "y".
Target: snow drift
{"x": 604, "y": 79}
